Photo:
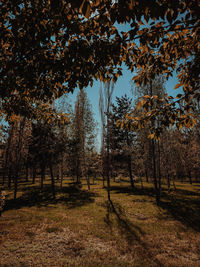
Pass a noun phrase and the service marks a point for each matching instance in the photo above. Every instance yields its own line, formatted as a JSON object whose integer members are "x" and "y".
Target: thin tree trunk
{"x": 52, "y": 180}
{"x": 33, "y": 174}
{"x": 9, "y": 177}
{"x": 168, "y": 181}
{"x": 88, "y": 180}
{"x": 18, "y": 156}
{"x": 78, "y": 171}
{"x": 61, "y": 174}
{"x": 154, "y": 160}
{"x": 108, "y": 158}
{"x": 103, "y": 180}
{"x": 8, "y": 156}
{"x": 26, "y": 172}
{"x": 155, "y": 173}
{"x": 130, "y": 171}
{"x": 159, "y": 170}
{"x": 15, "y": 185}
{"x": 42, "y": 169}
{"x": 174, "y": 184}
{"x": 190, "y": 177}
{"x": 146, "y": 174}
{"x": 108, "y": 176}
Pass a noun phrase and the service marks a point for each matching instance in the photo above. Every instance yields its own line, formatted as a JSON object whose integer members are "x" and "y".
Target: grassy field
{"x": 80, "y": 228}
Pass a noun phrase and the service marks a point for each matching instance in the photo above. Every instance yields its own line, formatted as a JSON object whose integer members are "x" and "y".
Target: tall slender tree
{"x": 154, "y": 91}
{"x": 105, "y": 103}
{"x": 122, "y": 137}
{"x": 83, "y": 134}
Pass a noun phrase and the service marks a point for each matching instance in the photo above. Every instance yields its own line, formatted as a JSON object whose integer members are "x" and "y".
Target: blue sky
{"x": 123, "y": 86}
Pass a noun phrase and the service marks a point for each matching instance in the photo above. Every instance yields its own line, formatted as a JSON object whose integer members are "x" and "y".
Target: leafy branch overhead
{"x": 159, "y": 113}
{"x": 50, "y": 47}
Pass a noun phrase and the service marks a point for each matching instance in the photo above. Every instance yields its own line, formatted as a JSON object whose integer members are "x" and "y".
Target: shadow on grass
{"x": 130, "y": 231}
{"x": 72, "y": 196}
{"x": 130, "y": 191}
{"x": 182, "y": 205}
{"x": 185, "y": 210}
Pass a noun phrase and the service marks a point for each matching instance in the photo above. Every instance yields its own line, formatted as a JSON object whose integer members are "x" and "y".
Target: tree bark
{"x": 52, "y": 180}
{"x": 146, "y": 174}
{"x": 130, "y": 171}
{"x": 26, "y": 172}
{"x": 190, "y": 177}
{"x": 33, "y": 174}
{"x": 61, "y": 174}
{"x": 42, "y": 169}
{"x": 155, "y": 173}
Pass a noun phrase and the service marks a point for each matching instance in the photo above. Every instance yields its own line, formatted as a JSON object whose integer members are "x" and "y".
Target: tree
{"x": 60, "y": 39}
{"x": 155, "y": 92}
{"x": 122, "y": 138}
{"x": 51, "y": 47}
{"x": 105, "y": 103}
{"x": 15, "y": 150}
{"x": 83, "y": 134}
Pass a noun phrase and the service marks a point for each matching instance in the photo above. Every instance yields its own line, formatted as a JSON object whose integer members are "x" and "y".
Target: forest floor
{"x": 80, "y": 228}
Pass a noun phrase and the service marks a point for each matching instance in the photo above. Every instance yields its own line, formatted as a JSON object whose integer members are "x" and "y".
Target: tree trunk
{"x": 61, "y": 174}
{"x": 16, "y": 186}
{"x": 141, "y": 181}
{"x": 190, "y": 177}
{"x": 146, "y": 174}
{"x": 78, "y": 171}
{"x": 174, "y": 184}
{"x": 26, "y": 172}
{"x": 155, "y": 173}
{"x": 130, "y": 171}
{"x": 103, "y": 180}
{"x": 88, "y": 181}
{"x": 159, "y": 171}
{"x": 9, "y": 177}
{"x": 108, "y": 169}
{"x": 154, "y": 160}
{"x": 168, "y": 181}
{"x": 42, "y": 169}
{"x": 18, "y": 155}
{"x": 33, "y": 175}
{"x": 8, "y": 155}
{"x": 52, "y": 180}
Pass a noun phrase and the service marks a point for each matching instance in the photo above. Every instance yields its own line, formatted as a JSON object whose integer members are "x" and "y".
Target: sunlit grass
{"x": 80, "y": 227}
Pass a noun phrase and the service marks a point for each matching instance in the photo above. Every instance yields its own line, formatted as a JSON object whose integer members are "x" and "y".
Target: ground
{"x": 80, "y": 228}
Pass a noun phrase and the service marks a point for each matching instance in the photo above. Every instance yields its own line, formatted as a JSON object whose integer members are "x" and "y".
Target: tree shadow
{"x": 182, "y": 205}
{"x": 72, "y": 196}
{"x": 187, "y": 211}
{"x": 133, "y": 191}
{"x": 130, "y": 231}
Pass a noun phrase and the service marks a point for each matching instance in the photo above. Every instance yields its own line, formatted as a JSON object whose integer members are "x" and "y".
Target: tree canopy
{"x": 50, "y": 47}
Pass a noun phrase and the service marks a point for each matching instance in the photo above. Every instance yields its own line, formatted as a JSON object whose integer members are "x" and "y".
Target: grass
{"x": 80, "y": 228}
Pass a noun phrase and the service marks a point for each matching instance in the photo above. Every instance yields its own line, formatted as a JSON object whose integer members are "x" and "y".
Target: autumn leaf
{"x": 178, "y": 85}
{"x": 140, "y": 104}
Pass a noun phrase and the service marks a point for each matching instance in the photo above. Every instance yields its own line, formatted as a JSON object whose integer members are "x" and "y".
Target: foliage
{"x": 122, "y": 136}
{"x": 82, "y": 135}
{"x": 157, "y": 111}
{"x": 51, "y": 47}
